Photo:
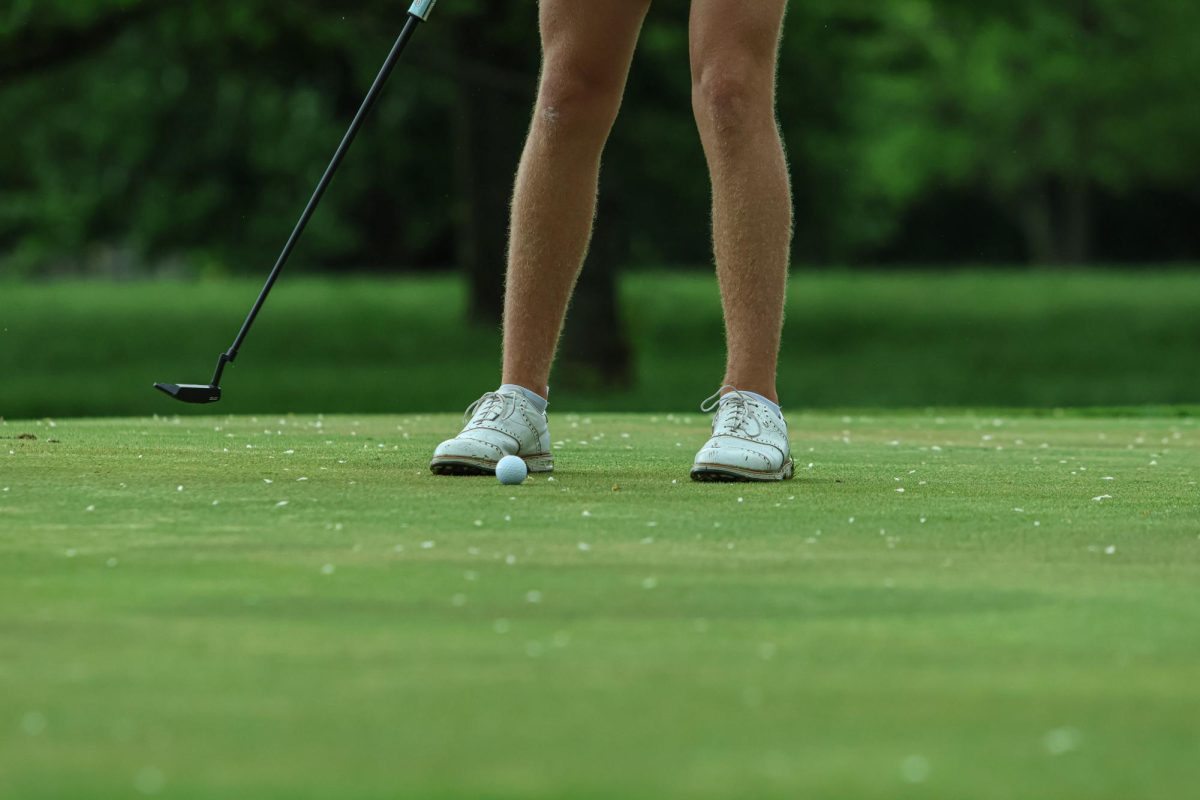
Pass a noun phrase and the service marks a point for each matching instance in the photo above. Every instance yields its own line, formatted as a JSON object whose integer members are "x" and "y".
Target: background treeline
{"x": 180, "y": 136}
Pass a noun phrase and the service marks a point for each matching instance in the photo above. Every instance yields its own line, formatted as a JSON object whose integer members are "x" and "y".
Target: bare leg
{"x": 587, "y": 48}
{"x": 734, "y": 60}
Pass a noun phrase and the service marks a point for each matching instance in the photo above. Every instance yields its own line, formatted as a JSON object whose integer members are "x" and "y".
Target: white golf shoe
{"x": 498, "y": 424}
{"x": 749, "y": 441}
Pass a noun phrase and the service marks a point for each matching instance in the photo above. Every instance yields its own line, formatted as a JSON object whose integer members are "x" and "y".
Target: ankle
{"x": 539, "y": 388}
{"x": 539, "y": 401}
{"x": 765, "y": 390}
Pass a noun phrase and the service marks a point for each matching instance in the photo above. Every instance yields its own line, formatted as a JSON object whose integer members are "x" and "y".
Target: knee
{"x": 731, "y": 100}
{"x": 576, "y": 100}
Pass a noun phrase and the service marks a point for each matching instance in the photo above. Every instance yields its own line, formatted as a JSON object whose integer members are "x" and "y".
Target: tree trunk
{"x": 491, "y": 119}
{"x": 596, "y": 355}
{"x": 1077, "y": 224}
{"x": 1056, "y": 219}
{"x": 1036, "y": 217}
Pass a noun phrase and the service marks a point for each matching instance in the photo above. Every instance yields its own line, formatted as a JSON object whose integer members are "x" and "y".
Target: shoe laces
{"x": 733, "y": 412}
{"x": 492, "y": 406}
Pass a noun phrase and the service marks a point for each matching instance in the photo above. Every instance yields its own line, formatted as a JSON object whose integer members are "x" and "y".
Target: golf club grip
{"x": 422, "y": 9}
{"x": 418, "y": 14}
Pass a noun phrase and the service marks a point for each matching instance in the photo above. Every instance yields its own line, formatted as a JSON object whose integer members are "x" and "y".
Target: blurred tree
{"x": 596, "y": 352}
{"x": 496, "y": 78}
{"x": 184, "y": 136}
{"x": 1038, "y": 104}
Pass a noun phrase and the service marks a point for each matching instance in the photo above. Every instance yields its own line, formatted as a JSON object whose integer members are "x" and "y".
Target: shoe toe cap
{"x": 469, "y": 447}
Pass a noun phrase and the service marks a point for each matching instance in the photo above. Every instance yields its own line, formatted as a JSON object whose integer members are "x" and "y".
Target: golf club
{"x": 211, "y": 392}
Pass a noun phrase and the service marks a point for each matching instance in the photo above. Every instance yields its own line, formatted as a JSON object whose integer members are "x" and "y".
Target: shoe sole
{"x": 459, "y": 466}
{"x": 723, "y": 473}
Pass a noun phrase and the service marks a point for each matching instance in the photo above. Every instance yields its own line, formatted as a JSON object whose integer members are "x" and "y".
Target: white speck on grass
{"x": 1037, "y": 523}
{"x": 90, "y": 508}
{"x": 587, "y": 513}
{"x": 534, "y": 597}
{"x": 767, "y": 650}
{"x": 510, "y": 559}
{"x": 900, "y": 490}
{"x": 650, "y": 583}
{"x": 1108, "y": 478}
{"x": 281, "y": 504}
{"x": 149, "y": 780}
{"x": 1060, "y": 741}
{"x": 328, "y": 569}
{"x": 478, "y": 523}
{"x": 33, "y": 723}
{"x": 429, "y": 545}
{"x": 179, "y": 488}
{"x": 741, "y": 499}
{"x": 1108, "y": 551}
{"x": 1102, "y": 497}
{"x": 289, "y": 452}
{"x": 648, "y": 540}
{"x": 584, "y": 547}
{"x": 914, "y": 769}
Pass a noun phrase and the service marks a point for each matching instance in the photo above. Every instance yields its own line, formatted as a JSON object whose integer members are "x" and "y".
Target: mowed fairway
{"x": 951, "y": 607}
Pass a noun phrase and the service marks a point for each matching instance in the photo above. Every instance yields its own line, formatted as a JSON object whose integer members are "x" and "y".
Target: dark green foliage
{"x": 186, "y": 135}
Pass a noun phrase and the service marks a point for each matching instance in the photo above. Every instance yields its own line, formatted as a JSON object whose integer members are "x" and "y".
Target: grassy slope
{"x": 832, "y": 637}
{"x": 854, "y": 340}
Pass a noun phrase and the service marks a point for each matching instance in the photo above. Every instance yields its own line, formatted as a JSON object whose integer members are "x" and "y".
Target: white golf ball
{"x": 511, "y": 470}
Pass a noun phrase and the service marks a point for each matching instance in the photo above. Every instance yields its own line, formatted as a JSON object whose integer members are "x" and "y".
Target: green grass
{"x": 993, "y": 631}
{"x": 853, "y": 340}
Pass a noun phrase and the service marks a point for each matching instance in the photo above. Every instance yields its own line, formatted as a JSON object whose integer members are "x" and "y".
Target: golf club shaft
{"x": 417, "y": 14}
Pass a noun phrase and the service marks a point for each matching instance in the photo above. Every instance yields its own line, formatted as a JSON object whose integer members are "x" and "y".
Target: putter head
{"x": 190, "y": 392}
